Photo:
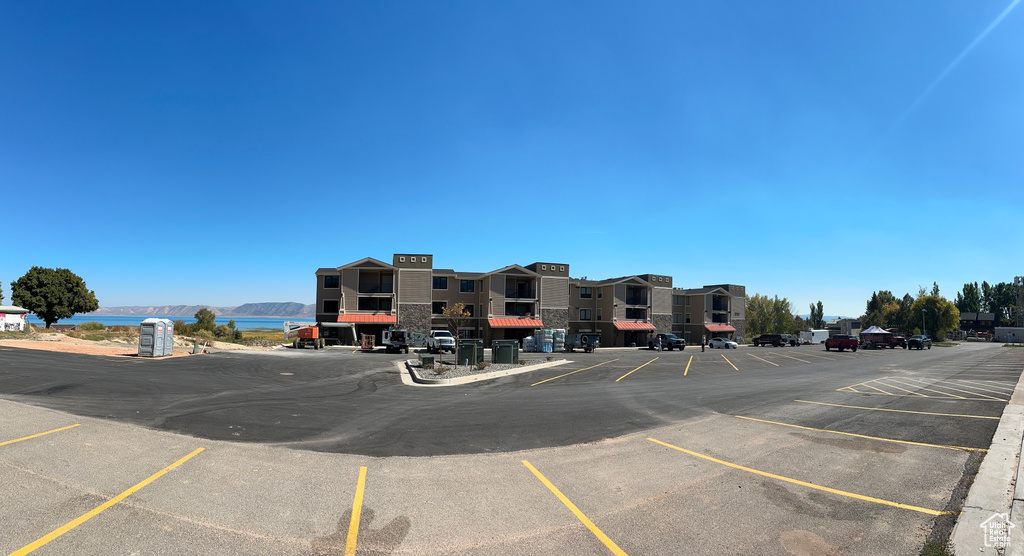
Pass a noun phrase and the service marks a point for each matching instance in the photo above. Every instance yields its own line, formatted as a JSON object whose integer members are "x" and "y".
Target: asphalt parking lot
{"x": 748, "y": 451}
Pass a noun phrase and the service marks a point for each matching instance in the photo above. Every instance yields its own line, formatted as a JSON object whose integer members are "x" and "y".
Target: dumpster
{"x": 470, "y": 351}
{"x": 505, "y": 351}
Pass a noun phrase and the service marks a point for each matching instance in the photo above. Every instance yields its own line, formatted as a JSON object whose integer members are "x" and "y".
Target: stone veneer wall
{"x": 555, "y": 318}
{"x": 663, "y": 324}
{"x": 414, "y": 317}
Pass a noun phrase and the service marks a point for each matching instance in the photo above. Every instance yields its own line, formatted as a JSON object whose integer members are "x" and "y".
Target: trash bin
{"x": 505, "y": 351}
{"x": 470, "y": 351}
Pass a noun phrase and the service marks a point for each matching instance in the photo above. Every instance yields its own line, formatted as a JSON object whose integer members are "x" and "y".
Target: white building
{"x": 13, "y": 318}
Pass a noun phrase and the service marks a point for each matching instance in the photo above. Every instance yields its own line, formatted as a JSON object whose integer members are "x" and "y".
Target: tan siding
{"x": 349, "y": 287}
{"x": 662, "y": 301}
{"x": 554, "y": 292}
{"x": 414, "y": 285}
{"x": 497, "y": 297}
{"x": 620, "y": 299}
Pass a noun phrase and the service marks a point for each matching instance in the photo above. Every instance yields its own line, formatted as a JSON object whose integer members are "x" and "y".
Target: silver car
{"x": 724, "y": 343}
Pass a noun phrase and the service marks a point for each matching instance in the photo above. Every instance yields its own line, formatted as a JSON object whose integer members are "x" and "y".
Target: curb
{"x": 995, "y": 489}
{"x": 409, "y": 378}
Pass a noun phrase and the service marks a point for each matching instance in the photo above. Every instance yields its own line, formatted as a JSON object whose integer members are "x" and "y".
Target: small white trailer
{"x": 813, "y": 336}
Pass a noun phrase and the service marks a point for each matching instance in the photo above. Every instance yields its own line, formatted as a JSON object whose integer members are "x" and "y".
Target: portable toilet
{"x": 168, "y": 337}
{"x": 151, "y": 338}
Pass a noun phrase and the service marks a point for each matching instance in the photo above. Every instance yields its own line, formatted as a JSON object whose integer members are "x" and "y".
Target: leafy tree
{"x": 969, "y": 301}
{"x": 1000, "y": 299}
{"x": 935, "y": 289}
{"x": 880, "y": 309}
{"x": 817, "y": 318}
{"x": 456, "y": 317}
{"x": 940, "y": 315}
{"x": 205, "y": 319}
{"x": 53, "y": 294}
{"x": 1, "y": 291}
{"x": 769, "y": 315}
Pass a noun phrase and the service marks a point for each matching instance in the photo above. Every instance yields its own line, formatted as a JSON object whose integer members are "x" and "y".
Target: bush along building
{"x": 368, "y": 296}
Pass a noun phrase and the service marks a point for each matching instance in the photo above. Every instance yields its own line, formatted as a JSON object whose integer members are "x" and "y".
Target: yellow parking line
{"x": 818, "y": 356}
{"x": 940, "y": 385}
{"x": 38, "y": 435}
{"x": 688, "y": 366}
{"x": 576, "y": 511}
{"x": 972, "y": 383}
{"x": 636, "y": 369}
{"x": 796, "y": 358}
{"x": 729, "y": 362}
{"x": 765, "y": 360}
{"x": 357, "y": 509}
{"x": 901, "y": 410}
{"x": 803, "y": 483}
{"x": 928, "y": 389}
{"x": 945, "y": 446}
{"x": 572, "y": 373}
{"x": 86, "y": 517}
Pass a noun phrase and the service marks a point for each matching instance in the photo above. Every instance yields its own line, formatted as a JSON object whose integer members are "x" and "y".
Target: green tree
{"x": 935, "y": 289}
{"x": 817, "y": 318}
{"x": 1000, "y": 299}
{"x": 53, "y": 294}
{"x": 205, "y": 319}
{"x": 879, "y": 310}
{"x": 940, "y": 315}
{"x": 769, "y": 315}
{"x": 969, "y": 300}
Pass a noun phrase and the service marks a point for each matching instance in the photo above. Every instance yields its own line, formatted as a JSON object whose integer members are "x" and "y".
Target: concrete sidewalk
{"x": 996, "y": 496}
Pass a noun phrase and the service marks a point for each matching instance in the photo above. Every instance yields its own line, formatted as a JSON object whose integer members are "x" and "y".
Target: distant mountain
{"x": 271, "y": 309}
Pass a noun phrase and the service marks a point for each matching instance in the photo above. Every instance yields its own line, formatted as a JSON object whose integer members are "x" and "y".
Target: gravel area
{"x": 450, "y": 371}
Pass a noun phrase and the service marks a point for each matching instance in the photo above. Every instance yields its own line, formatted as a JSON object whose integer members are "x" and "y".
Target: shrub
{"x": 482, "y": 365}
{"x": 91, "y": 326}
{"x": 94, "y": 337}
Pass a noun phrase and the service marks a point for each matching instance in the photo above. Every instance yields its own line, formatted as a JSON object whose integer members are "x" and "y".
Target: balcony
{"x": 519, "y": 289}
{"x": 722, "y": 306}
{"x": 519, "y": 309}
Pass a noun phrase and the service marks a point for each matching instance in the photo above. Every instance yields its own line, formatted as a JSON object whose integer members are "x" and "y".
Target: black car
{"x": 919, "y": 342}
{"x": 668, "y": 341}
{"x": 770, "y": 340}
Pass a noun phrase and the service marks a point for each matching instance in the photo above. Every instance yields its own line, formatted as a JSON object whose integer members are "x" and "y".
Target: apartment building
{"x": 369, "y": 295}
{"x": 711, "y": 311}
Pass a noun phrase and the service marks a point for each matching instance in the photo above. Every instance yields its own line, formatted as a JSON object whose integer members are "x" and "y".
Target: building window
{"x": 331, "y": 306}
{"x": 466, "y": 286}
{"x": 677, "y": 300}
{"x": 561, "y": 269}
{"x": 438, "y": 307}
{"x": 543, "y": 267}
{"x": 466, "y": 333}
{"x": 584, "y": 314}
{"x": 401, "y": 259}
{"x": 687, "y": 318}
{"x": 331, "y": 281}
{"x": 374, "y": 304}
{"x": 687, "y": 301}
{"x": 440, "y": 282}
{"x": 634, "y": 313}
{"x": 677, "y": 318}
{"x": 598, "y": 313}
{"x": 600, "y": 293}
{"x": 586, "y": 293}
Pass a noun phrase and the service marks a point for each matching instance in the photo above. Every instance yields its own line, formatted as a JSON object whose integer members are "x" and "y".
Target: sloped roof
{"x": 875, "y": 330}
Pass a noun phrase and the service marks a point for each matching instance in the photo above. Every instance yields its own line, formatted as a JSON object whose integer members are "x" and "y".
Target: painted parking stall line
{"x": 804, "y": 483}
{"x": 901, "y": 410}
{"x": 101, "y": 508}
{"x": 794, "y": 358}
{"x": 576, "y": 511}
{"x": 765, "y": 360}
{"x": 357, "y": 509}
{"x": 636, "y": 369}
{"x": 879, "y": 438}
{"x": 729, "y": 362}
{"x": 30, "y": 437}
{"x": 573, "y": 372}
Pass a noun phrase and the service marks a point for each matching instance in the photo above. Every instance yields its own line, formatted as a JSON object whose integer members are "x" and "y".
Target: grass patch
{"x": 937, "y": 548}
{"x": 14, "y": 335}
{"x": 121, "y": 333}
{"x": 1013, "y": 345}
{"x": 945, "y": 344}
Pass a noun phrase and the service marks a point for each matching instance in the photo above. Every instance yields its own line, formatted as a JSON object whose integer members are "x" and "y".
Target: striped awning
{"x": 368, "y": 318}
{"x": 634, "y": 326}
{"x": 515, "y": 323}
{"x": 719, "y": 328}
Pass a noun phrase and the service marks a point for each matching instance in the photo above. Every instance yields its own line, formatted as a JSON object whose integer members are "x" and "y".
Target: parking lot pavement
{"x": 708, "y": 458}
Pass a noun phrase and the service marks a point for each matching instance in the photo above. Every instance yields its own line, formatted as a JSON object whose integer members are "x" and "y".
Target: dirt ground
{"x": 50, "y": 341}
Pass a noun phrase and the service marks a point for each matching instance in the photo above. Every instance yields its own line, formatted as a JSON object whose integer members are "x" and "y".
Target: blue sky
{"x": 220, "y": 152}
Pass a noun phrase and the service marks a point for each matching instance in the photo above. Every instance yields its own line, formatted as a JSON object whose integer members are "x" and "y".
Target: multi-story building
{"x": 709, "y": 312}
{"x": 368, "y": 296}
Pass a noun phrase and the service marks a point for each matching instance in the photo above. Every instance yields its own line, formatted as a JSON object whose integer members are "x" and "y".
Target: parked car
{"x": 791, "y": 340}
{"x": 724, "y": 343}
{"x": 440, "y": 340}
{"x": 770, "y": 339}
{"x": 841, "y": 342}
{"x": 668, "y": 341}
{"x": 919, "y": 342}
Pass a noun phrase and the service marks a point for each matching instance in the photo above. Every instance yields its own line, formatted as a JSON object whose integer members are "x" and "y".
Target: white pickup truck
{"x": 441, "y": 340}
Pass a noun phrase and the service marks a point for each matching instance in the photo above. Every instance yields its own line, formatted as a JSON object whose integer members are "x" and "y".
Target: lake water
{"x": 241, "y": 323}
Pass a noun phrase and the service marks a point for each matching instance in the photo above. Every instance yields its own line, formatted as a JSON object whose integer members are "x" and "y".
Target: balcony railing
{"x": 520, "y": 293}
{"x": 720, "y": 306}
{"x": 636, "y": 300}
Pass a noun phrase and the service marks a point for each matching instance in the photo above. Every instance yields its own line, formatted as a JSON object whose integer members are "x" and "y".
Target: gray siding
{"x": 554, "y": 292}
{"x": 414, "y": 286}
{"x": 349, "y": 288}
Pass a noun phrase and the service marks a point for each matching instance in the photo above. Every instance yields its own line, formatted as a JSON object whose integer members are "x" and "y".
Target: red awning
{"x": 515, "y": 323}
{"x": 719, "y": 328}
{"x": 634, "y": 326}
{"x": 368, "y": 319}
